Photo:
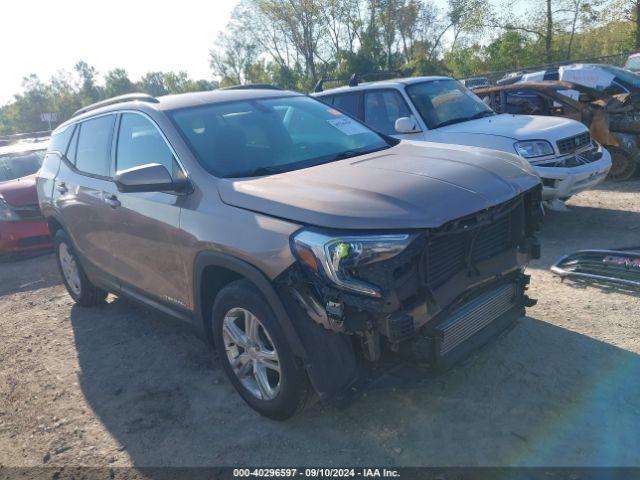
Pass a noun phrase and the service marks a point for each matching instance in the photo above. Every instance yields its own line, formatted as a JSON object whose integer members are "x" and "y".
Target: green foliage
{"x": 66, "y": 92}
{"x": 293, "y": 43}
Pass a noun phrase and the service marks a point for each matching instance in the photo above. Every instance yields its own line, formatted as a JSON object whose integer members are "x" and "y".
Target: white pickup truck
{"x": 441, "y": 109}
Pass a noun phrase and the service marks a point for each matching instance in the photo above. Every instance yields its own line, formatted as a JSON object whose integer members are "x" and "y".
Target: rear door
{"x": 144, "y": 227}
{"x": 80, "y": 191}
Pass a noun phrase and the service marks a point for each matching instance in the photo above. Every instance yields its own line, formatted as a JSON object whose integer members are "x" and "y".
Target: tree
{"x": 117, "y": 83}
{"x": 153, "y": 84}
{"x": 233, "y": 57}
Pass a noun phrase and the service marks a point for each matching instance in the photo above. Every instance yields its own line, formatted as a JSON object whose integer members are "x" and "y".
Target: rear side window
{"x": 92, "y": 154}
{"x": 73, "y": 146}
{"x": 382, "y": 109}
{"x": 60, "y": 139}
{"x": 140, "y": 143}
{"x": 349, "y": 103}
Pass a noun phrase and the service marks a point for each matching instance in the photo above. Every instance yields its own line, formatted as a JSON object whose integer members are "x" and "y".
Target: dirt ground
{"x": 121, "y": 386}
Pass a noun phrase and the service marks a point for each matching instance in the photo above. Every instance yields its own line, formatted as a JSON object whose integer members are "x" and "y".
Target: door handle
{"x": 112, "y": 200}
{"x": 62, "y": 188}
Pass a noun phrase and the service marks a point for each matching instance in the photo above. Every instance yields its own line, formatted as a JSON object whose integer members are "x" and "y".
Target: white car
{"x": 440, "y": 109}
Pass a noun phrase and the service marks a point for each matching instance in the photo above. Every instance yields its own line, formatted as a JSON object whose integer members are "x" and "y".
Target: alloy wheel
{"x": 69, "y": 269}
{"x": 251, "y": 353}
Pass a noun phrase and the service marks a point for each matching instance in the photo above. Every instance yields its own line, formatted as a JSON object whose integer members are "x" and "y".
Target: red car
{"x": 22, "y": 227}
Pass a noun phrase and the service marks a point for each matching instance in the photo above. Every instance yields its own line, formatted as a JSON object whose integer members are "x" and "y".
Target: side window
{"x": 348, "y": 103}
{"x": 92, "y": 154}
{"x": 383, "y": 108}
{"x": 60, "y": 139}
{"x": 525, "y": 102}
{"x": 73, "y": 146}
{"x": 140, "y": 143}
{"x": 328, "y": 99}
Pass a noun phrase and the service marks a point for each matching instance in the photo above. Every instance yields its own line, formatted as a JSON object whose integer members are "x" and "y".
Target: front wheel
{"x": 255, "y": 354}
{"x": 75, "y": 280}
{"x": 623, "y": 166}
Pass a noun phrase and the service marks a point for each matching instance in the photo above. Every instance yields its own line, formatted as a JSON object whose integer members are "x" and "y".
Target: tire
{"x": 240, "y": 307}
{"x": 623, "y": 166}
{"x": 77, "y": 284}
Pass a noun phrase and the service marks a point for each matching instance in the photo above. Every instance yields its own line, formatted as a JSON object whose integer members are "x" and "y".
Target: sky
{"x": 45, "y": 36}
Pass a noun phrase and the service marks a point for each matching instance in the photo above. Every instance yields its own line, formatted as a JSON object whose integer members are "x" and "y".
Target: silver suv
{"x": 292, "y": 235}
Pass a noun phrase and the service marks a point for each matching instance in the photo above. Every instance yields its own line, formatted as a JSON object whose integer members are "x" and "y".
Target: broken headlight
{"x": 533, "y": 148}
{"x": 338, "y": 257}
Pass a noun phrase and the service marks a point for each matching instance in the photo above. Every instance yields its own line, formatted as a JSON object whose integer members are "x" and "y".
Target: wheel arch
{"x": 214, "y": 270}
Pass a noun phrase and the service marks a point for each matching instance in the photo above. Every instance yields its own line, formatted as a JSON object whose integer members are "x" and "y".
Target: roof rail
{"x": 252, "y": 86}
{"x": 354, "y": 79}
{"x": 142, "y": 97}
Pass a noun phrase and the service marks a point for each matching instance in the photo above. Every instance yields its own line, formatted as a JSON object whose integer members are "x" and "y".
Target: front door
{"x": 144, "y": 234}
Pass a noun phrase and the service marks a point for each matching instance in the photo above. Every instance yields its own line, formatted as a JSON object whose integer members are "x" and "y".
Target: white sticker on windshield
{"x": 347, "y": 126}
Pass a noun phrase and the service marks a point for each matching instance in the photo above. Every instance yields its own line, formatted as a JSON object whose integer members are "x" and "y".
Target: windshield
{"x": 444, "y": 102}
{"x": 18, "y": 165}
{"x": 259, "y": 137}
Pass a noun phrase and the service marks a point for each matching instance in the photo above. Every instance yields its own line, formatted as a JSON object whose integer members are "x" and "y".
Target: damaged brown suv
{"x": 292, "y": 235}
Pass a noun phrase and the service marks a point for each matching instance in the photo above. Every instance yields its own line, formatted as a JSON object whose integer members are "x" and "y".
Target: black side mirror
{"x": 152, "y": 177}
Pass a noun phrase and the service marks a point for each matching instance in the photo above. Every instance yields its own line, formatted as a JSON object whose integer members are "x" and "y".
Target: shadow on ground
{"x": 27, "y": 272}
{"x": 537, "y": 395}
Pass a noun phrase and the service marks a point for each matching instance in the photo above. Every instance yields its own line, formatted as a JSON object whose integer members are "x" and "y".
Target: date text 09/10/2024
{"x": 316, "y": 472}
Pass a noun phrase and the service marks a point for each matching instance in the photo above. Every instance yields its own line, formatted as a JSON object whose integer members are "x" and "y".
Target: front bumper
{"x": 24, "y": 236}
{"x": 564, "y": 182}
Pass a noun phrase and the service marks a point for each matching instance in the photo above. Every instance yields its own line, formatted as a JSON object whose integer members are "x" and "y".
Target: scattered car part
{"x": 611, "y": 267}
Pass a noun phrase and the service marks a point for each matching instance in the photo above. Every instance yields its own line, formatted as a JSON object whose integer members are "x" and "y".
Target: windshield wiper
{"x": 355, "y": 153}
{"x": 256, "y": 172}
{"x": 486, "y": 113}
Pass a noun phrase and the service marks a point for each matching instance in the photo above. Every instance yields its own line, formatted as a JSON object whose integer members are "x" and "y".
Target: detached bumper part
{"x": 607, "y": 267}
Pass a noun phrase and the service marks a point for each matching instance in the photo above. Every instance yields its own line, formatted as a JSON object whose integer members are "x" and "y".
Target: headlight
{"x": 533, "y": 148}
{"x": 6, "y": 212}
{"x": 337, "y": 257}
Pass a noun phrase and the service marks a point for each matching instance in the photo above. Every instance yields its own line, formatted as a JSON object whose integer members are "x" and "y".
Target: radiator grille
{"x": 488, "y": 234}
{"x": 571, "y": 144}
{"x": 475, "y": 315}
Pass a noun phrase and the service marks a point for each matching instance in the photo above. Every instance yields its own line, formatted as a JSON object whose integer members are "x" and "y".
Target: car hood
{"x": 411, "y": 185}
{"x": 20, "y": 192}
{"x": 519, "y": 127}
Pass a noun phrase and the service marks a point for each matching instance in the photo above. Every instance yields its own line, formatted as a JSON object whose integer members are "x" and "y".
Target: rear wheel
{"x": 75, "y": 280}
{"x": 255, "y": 354}
{"x": 623, "y": 166}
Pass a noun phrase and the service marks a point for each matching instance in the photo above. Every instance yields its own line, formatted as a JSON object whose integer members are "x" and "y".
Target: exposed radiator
{"x": 473, "y": 316}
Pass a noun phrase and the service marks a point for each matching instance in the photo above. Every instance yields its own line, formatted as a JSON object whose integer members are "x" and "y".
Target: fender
{"x": 328, "y": 357}
{"x": 259, "y": 279}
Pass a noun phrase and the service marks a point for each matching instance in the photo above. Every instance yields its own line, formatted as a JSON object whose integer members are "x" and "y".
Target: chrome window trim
{"x": 138, "y": 112}
{"x": 157, "y": 127}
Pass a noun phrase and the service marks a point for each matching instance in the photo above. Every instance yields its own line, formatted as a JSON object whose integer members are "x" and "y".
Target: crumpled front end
{"x": 450, "y": 287}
